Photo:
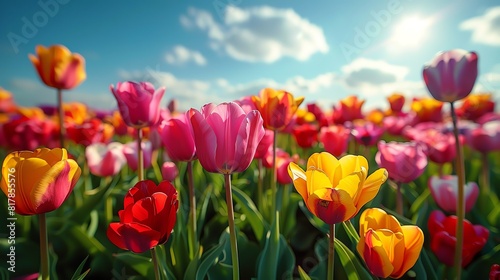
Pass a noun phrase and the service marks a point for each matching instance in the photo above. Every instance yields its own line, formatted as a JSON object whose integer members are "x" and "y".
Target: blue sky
{"x": 221, "y": 50}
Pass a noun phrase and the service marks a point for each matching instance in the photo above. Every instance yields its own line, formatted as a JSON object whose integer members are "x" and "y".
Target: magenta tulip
{"x": 265, "y": 144}
{"x": 138, "y": 103}
{"x": 335, "y": 139}
{"x": 178, "y": 138}
{"x": 226, "y": 137}
{"x": 451, "y": 75}
{"x": 444, "y": 190}
{"x": 367, "y": 133}
{"x": 131, "y": 154}
{"x": 169, "y": 171}
{"x": 405, "y": 162}
{"x": 485, "y": 138}
{"x": 105, "y": 160}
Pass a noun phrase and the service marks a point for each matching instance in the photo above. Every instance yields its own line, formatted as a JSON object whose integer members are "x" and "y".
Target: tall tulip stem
{"x": 232, "y": 228}
{"x": 485, "y": 184}
{"x": 260, "y": 186}
{"x": 140, "y": 155}
{"x": 399, "y": 199}
{"x": 331, "y": 250}
{"x": 60, "y": 111}
{"x": 44, "y": 248}
{"x": 460, "y": 203}
{"x": 155, "y": 263}
{"x": 192, "y": 234}
{"x": 273, "y": 178}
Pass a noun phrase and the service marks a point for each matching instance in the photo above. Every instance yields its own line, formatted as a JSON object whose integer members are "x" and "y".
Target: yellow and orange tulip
{"x": 389, "y": 249}
{"x": 335, "y": 189}
{"x": 38, "y": 181}
{"x": 58, "y": 67}
{"x": 277, "y": 107}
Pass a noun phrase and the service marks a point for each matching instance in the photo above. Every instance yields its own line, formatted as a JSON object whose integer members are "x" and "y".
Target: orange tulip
{"x": 277, "y": 107}
{"x": 388, "y": 248}
{"x": 38, "y": 181}
{"x": 349, "y": 109}
{"x": 58, "y": 67}
{"x": 335, "y": 190}
{"x": 7, "y": 104}
{"x": 427, "y": 109}
{"x": 396, "y": 101}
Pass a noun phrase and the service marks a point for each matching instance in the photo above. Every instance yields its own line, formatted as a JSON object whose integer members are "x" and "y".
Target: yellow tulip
{"x": 58, "y": 67}
{"x": 40, "y": 181}
{"x": 388, "y": 248}
{"x": 277, "y": 107}
{"x": 335, "y": 190}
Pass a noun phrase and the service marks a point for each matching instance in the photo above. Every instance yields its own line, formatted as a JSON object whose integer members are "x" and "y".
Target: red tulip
{"x": 443, "y": 240}
{"x": 335, "y": 139}
{"x": 226, "y": 137}
{"x": 148, "y": 217}
{"x": 29, "y": 133}
{"x": 494, "y": 272}
{"x": 396, "y": 101}
{"x": 451, "y": 75}
{"x": 306, "y": 135}
{"x": 444, "y": 190}
{"x": 90, "y": 132}
{"x": 138, "y": 103}
{"x": 475, "y": 106}
{"x": 349, "y": 109}
{"x": 105, "y": 160}
{"x": 405, "y": 162}
{"x": 175, "y": 131}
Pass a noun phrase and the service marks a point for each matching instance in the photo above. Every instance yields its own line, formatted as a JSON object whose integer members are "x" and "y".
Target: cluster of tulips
{"x": 148, "y": 192}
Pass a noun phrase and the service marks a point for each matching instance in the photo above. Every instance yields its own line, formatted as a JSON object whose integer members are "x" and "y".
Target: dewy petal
{"x": 299, "y": 179}
{"x": 331, "y": 206}
{"x": 413, "y": 240}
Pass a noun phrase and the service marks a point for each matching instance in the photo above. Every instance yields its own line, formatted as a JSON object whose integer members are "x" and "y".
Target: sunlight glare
{"x": 410, "y": 32}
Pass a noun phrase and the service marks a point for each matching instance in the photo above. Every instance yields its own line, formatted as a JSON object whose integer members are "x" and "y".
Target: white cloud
{"x": 259, "y": 34}
{"x": 485, "y": 28}
{"x": 364, "y": 72}
{"x": 182, "y": 55}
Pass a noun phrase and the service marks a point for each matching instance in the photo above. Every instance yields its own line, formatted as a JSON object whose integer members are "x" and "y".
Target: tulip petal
{"x": 327, "y": 163}
{"x": 351, "y": 164}
{"x": 249, "y": 135}
{"x": 299, "y": 179}
{"x": 413, "y": 242}
{"x": 375, "y": 255}
{"x": 205, "y": 139}
{"x": 135, "y": 237}
{"x": 316, "y": 180}
{"x": 331, "y": 206}
{"x": 371, "y": 186}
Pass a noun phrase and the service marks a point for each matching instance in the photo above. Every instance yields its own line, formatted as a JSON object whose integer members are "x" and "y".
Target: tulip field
{"x": 269, "y": 186}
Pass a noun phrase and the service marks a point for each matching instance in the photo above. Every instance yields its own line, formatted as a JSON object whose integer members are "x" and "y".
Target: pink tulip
{"x": 169, "y": 171}
{"x": 444, "y": 190}
{"x": 335, "y": 139}
{"x": 485, "y": 138}
{"x": 226, "y": 137}
{"x": 451, "y": 75}
{"x": 367, "y": 134}
{"x": 138, "y": 103}
{"x": 396, "y": 124}
{"x": 405, "y": 162}
{"x": 440, "y": 146}
{"x": 265, "y": 144}
{"x": 131, "y": 154}
{"x": 178, "y": 138}
{"x": 105, "y": 160}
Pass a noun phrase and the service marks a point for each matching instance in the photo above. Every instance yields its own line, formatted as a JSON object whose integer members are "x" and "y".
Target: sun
{"x": 410, "y": 33}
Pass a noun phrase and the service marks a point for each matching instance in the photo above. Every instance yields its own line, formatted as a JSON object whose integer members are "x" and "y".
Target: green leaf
{"x": 352, "y": 267}
{"x": 480, "y": 268}
{"x": 303, "y": 275}
{"x": 91, "y": 202}
{"x": 137, "y": 262}
{"x": 208, "y": 259}
{"x": 78, "y": 273}
{"x": 315, "y": 221}
{"x": 202, "y": 209}
{"x": 420, "y": 201}
{"x": 163, "y": 263}
{"x": 248, "y": 208}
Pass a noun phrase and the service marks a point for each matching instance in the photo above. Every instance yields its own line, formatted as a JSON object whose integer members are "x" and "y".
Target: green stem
{"x": 192, "y": 235}
{"x": 156, "y": 166}
{"x": 399, "y": 199}
{"x": 140, "y": 156}
{"x": 273, "y": 179}
{"x": 60, "y": 110}
{"x": 460, "y": 203}
{"x": 485, "y": 186}
{"x": 44, "y": 250}
{"x": 232, "y": 228}
{"x": 156, "y": 267}
{"x": 331, "y": 249}
{"x": 260, "y": 186}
